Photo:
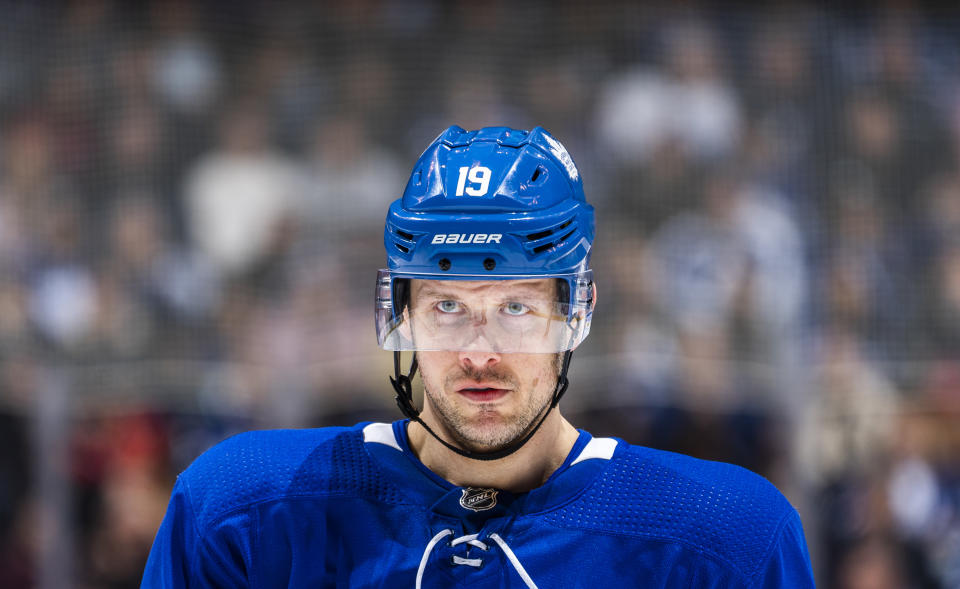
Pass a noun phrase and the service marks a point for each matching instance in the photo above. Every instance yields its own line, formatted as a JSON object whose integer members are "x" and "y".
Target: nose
{"x": 479, "y": 359}
{"x": 478, "y": 354}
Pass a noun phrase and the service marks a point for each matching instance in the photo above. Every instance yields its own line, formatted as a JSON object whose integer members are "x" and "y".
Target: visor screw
{"x": 489, "y": 263}
{"x": 444, "y": 264}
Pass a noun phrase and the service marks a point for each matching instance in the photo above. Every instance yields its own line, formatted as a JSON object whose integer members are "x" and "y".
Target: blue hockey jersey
{"x": 354, "y": 507}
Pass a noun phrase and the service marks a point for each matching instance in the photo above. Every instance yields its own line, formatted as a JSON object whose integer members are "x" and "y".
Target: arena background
{"x": 191, "y": 207}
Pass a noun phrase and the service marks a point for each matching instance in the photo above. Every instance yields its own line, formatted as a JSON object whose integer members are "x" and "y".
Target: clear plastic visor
{"x": 523, "y": 315}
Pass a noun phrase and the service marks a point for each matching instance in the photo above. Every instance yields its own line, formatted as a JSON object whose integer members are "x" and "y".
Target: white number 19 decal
{"x": 479, "y": 176}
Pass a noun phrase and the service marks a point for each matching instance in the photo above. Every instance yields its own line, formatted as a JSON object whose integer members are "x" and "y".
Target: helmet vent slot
{"x": 548, "y": 232}
{"x": 404, "y": 241}
{"x": 540, "y": 171}
{"x": 542, "y": 241}
{"x": 543, "y": 248}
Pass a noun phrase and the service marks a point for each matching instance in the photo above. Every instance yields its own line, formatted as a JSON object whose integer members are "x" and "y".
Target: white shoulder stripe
{"x": 597, "y": 448}
{"x": 381, "y": 433}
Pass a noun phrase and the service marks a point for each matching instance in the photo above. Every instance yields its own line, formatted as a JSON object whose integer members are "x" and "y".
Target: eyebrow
{"x": 522, "y": 289}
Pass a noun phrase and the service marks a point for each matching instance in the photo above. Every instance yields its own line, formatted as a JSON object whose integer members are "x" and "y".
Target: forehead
{"x": 464, "y": 288}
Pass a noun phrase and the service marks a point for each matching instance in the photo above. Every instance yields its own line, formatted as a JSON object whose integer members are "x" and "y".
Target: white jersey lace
{"x": 472, "y": 540}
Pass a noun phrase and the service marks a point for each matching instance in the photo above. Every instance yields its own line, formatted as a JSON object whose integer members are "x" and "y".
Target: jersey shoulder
{"x": 709, "y": 507}
{"x": 259, "y": 466}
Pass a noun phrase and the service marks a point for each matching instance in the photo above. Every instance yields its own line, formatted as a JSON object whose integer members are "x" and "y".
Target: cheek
{"x": 544, "y": 374}
{"x": 434, "y": 365}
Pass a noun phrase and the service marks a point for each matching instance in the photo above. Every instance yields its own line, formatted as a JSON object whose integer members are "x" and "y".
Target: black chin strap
{"x": 403, "y": 385}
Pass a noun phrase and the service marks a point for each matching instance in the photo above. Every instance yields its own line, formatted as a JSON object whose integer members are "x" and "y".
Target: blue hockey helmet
{"x": 493, "y": 204}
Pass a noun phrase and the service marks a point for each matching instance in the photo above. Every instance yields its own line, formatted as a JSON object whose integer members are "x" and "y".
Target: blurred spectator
{"x": 558, "y": 92}
{"x": 929, "y": 514}
{"x": 29, "y": 178}
{"x": 120, "y": 465}
{"x": 349, "y": 177}
{"x": 137, "y": 149}
{"x": 292, "y": 82}
{"x": 19, "y": 547}
{"x": 740, "y": 253}
{"x": 784, "y": 108}
{"x": 688, "y": 101}
{"x": 299, "y": 355}
{"x": 942, "y": 325}
{"x": 871, "y": 564}
{"x": 239, "y": 194}
{"x": 170, "y": 281}
{"x": 700, "y": 263}
{"x": 365, "y": 83}
{"x": 187, "y": 73}
{"x": 940, "y": 214}
{"x": 63, "y": 297}
{"x": 14, "y": 328}
{"x": 873, "y": 139}
{"x": 863, "y": 281}
{"x": 848, "y": 430}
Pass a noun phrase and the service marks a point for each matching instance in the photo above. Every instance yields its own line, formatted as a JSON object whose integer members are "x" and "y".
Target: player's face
{"x": 485, "y": 399}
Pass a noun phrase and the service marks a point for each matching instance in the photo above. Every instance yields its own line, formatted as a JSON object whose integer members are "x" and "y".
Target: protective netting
{"x": 191, "y": 208}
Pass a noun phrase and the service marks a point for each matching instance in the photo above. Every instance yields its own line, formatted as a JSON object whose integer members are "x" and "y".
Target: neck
{"x": 527, "y": 468}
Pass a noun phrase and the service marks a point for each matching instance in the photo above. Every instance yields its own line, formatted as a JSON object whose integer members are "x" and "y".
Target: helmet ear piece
{"x": 563, "y": 291}
{"x": 581, "y": 309}
{"x": 401, "y": 295}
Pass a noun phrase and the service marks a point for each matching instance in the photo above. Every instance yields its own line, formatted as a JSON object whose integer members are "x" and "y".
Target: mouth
{"x": 482, "y": 393}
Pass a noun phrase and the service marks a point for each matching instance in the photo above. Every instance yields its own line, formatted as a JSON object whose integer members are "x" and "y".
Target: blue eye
{"x": 448, "y": 306}
{"x": 515, "y": 309}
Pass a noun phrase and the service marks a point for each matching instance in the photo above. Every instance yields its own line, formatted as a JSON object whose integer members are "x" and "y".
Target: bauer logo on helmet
{"x": 479, "y": 238}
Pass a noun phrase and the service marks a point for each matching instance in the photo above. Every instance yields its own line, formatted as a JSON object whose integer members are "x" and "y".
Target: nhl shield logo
{"x": 478, "y": 499}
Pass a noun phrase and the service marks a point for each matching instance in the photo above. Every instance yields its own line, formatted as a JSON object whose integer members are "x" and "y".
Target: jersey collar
{"x": 389, "y": 447}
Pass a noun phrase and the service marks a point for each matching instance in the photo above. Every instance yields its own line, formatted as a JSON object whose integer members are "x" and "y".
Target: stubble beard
{"x": 488, "y": 430}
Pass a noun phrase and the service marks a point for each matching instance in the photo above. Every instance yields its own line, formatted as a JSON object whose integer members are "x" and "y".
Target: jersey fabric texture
{"x": 354, "y": 507}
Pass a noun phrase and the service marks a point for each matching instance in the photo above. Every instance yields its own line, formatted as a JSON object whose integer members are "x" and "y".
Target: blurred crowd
{"x": 191, "y": 206}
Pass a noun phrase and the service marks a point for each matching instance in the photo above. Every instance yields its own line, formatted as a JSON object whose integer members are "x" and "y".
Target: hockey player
{"x": 488, "y": 290}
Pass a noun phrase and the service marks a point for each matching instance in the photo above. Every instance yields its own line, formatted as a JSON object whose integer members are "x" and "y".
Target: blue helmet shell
{"x": 491, "y": 204}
